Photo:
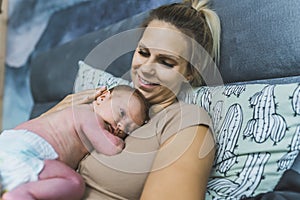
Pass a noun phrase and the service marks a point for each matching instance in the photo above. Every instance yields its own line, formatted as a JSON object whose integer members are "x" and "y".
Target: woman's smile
{"x": 146, "y": 83}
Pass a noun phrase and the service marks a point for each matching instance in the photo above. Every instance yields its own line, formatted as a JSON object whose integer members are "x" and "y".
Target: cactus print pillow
{"x": 257, "y": 129}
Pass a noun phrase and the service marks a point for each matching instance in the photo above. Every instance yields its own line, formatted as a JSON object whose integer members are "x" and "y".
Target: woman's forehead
{"x": 166, "y": 38}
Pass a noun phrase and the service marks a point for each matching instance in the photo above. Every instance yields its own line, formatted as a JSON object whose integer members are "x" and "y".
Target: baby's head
{"x": 123, "y": 109}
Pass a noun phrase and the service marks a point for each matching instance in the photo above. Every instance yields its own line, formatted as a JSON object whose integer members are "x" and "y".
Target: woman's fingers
{"x": 83, "y": 97}
{"x": 93, "y": 94}
{"x": 99, "y": 91}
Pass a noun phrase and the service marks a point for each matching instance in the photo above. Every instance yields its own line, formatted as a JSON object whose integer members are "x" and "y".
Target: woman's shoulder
{"x": 188, "y": 111}
{"x": 179, "y": 116}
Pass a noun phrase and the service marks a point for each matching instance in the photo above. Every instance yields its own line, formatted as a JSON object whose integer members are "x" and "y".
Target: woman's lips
{"x": 145, "y": 83}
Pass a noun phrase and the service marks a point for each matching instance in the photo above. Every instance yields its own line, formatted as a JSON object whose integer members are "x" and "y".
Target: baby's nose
{"x": 120, "y": 126}
{"x": 120, "y": 131}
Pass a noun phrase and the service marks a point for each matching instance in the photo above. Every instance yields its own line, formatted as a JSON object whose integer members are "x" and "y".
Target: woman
{"x": 171, "y": 156}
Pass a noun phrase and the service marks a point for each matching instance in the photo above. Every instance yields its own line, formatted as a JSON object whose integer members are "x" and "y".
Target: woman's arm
{"x": 83, "y": 97}
{"x": 187, "y": 176}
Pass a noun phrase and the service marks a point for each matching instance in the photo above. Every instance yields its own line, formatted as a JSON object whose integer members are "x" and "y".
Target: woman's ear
{"x": 188, "y": 74}
{"x": 188, "y": 78}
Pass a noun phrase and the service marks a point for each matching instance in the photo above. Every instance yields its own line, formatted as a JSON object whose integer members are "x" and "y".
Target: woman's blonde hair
{"x": 195, "y": 19}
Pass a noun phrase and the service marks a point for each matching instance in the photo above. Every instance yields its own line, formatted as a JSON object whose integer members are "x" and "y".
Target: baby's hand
{"x": 118, "y": 144}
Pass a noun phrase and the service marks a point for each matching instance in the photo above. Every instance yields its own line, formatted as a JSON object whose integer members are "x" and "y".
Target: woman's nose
{"x": 148, "y": 68}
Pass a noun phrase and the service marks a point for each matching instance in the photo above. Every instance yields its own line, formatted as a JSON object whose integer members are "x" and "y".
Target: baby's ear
{"x": 105, "y": 95}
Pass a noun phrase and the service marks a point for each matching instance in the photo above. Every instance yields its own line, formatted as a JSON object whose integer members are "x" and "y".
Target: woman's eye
{"x": 143, "y": 53}
{"x": 167, "y": 63}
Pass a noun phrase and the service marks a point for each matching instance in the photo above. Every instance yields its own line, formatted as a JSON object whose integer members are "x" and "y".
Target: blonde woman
{"x": 171, "y": 156}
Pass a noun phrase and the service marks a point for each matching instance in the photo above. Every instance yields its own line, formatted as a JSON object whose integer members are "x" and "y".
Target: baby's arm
{"x": 92, "y": 126}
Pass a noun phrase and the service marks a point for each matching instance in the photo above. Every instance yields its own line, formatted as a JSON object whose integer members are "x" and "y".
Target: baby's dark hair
{"x": 139, "y": 95}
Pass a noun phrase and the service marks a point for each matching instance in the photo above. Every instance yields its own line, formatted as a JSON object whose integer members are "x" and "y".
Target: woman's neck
{"x": 156, "y": 108}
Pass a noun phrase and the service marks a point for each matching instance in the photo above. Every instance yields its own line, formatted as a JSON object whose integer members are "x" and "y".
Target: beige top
{"x": 123, "y": 176}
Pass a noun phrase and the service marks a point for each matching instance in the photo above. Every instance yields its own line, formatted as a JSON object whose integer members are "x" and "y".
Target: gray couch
{"x": 53, "y": 72}
{"x": 260, "y": 43}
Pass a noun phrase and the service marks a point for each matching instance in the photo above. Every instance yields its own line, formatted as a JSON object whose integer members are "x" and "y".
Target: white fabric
{"x": 22, "y": 155}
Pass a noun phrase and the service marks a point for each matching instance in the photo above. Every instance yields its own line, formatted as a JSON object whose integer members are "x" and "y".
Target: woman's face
{"x": 158, "y": 65}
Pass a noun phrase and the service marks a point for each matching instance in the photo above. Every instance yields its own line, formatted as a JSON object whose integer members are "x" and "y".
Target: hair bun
{"x": 212, "y": 21}
{"x": 196, "y": 4}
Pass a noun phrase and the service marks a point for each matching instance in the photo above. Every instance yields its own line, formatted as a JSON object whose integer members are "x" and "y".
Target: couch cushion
{"x": 260, "y": 39}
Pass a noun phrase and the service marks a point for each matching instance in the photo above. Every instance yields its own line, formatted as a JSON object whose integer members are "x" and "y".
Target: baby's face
{"x": 121, "y": 111}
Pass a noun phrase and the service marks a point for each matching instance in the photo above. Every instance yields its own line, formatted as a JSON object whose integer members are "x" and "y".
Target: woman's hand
{"x": 83, "y": 97}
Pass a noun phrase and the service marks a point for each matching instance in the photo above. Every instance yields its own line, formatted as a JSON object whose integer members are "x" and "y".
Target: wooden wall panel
{"x": 3, "y": 25}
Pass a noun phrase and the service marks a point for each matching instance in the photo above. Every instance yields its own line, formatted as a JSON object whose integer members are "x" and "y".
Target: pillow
{"x": 90, "y": 78}
{"x": 257, "y": 130}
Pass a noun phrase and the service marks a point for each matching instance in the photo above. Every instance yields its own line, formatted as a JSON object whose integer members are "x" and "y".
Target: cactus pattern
{"x": 247, "y": 181}
{"x": 265, "y": 122}
{"x": 287, "y": 160}
{"x": 234, "y": 89}
{"x": 217, "y": 111}
{"x": 295, "y": 144}
{"x": 296, "y": 101}
{"x": 227, "y": 138}
{"x": 203, "y": 98}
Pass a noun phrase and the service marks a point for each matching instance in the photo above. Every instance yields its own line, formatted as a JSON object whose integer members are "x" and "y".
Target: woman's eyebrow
{"x": 141, "y": 45}
{"x": 173, "y": 57}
